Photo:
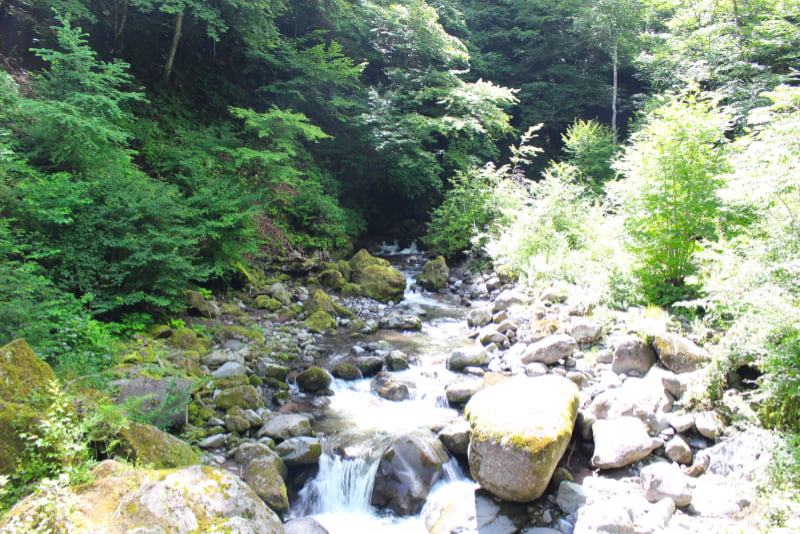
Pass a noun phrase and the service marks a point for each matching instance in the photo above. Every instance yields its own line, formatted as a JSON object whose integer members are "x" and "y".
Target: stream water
{"x": 357, "y": 425}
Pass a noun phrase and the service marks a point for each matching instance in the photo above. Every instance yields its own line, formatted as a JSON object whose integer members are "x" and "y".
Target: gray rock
{"x": 550, "y": 349}
{"x": 409, "y": 467}
{"x": 681, "y": 421}
{"x": 250, "y": 451}
{"x": 401, "y": 322}
{"x": 467, "y": 357}
{"x": 458, "y": 507}
{"x": 490, "y": 334}
{"x": 217, "y": 358}
{"x": 677, "y": 450}
{"x": 632, "y": 356}
{"x": 300, "y": 450}
{"x": 264, "y": 478}
{"x": 520, "y": 430}
{"x": 266, "y": 369}
{"x": 710, "y": 424}
{"x": 662, "y": 480}
{"x": 460, "y": 392}
{"x": 480, "y": 317}
{"x": 620, "y": 442}
{"x": 369, "y": 365}
{"x": 217, "y": 441}
{"x": 570, "y": 497}
{"x": 314, "y": 379}
{"x": 718, "y": 496}
{"x": 603, "y": 519}
{"x": 229, "y": 369}
{"x": 679, "y": 354}
{"x": 509, "y": 298}
{"x": 397, "y": 360}
{"x": 585, "y": 330}
{"x": 285, "y": 426}
{"x": 386, "y": 386}
{"x": 455, "y": 436}
{"x": 536, "y": 369}
{"x": 677, "y": 385}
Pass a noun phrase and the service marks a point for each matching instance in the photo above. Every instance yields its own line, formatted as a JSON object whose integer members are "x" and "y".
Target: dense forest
{"x": 647, "y": 151}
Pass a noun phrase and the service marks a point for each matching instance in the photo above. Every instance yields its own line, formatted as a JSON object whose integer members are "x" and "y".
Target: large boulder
{"x": 461, "y": 507}
{"x": 381, "y": 282}
{"x": 265, "y": 479}
{"x": 285, "y": 426}
{"x": 434, "y": 274}
{"x": 21, "y": 374}
{"x": 314, "y": 378}
{"x": 471, "y": 356}
{"x": 633, "y": 356}
{"x": 678, "y": 354}
{"x": 147, "y": 445}
{"x": 520, "y": 430}
{"x": 409, "y": 467}
{"x": 363, "y": 259}
{"x": 300, "y": 450}
{"x": 245, "y": 397}
{"x": 121, "y": 500}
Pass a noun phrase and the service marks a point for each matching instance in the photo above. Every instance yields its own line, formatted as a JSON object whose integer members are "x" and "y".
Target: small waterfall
{"x": 342, "y": 486}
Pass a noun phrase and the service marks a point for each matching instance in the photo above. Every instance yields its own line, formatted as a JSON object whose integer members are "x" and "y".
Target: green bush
{"x": 669, "y": 195}
{"x": 591, "y": 146}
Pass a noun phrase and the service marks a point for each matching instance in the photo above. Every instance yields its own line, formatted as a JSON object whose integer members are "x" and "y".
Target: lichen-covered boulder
{"x": 187, "y": 339}
{"x": 242, "y": 396}
{"x": 121, "y": 500}
{"x": 381, "y": 282}
{"x": 314, "y": 379}
{"x": 520, "y": 430}
{"x": 409, "y": 466}
{"x": 21, "y": 374}
{"x": 148, "y": 446}
{"x": 434, "y": 274}
{"x": 678, "y": 354}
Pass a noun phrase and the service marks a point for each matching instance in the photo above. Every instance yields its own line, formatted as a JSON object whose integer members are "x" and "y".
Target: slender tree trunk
{"x": 173, "y": 47}
{"x": 615, "y": 88}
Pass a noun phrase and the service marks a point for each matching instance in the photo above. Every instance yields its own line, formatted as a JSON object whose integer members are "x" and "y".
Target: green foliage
{"x": 77, "y": 120}
{"x": 669, "y": 195}
{"x": 590, "y": 146}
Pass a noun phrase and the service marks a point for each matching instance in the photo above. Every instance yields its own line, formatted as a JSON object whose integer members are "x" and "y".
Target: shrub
{"x": 590, "y": 146}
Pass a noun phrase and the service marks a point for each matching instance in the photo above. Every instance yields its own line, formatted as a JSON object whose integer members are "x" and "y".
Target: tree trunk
{"x": 615, "y": 88}
{"x": 173, "y": 47}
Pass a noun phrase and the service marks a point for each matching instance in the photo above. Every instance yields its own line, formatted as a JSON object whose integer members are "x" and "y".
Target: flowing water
{"x": 358, "y": 425}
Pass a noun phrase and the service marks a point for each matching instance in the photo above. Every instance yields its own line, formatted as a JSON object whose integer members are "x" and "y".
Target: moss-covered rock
{"x": 320, "y": 322}
{"x": 332, "y": 278}
{"x": 242, "y": 396}
{"x": 381, "y": 282}
{"x": 187, "y": 339}
{"x": 344, "y": 267}
{"x": 196, "y": 303}
{"x": 121, "y": 499}
{"x": 159, "y": 331}
{"x": 21, "y": 374}
{"x": 352, "y": 290}
{"x": 265, "y": 302}
{"x": 678, "y": 354}
{"x": 520, "y": 430}
{"x": 262, "y": 476}
{"x": 238, "y": 333}
{"x": 318, "y": 300}
{"x": 363, "y": 259}
{"x": 314, "y": 379}
{"x": 346, "y": 371}
{"x": 148, "y": 446}
{"x": 434, "y": 274}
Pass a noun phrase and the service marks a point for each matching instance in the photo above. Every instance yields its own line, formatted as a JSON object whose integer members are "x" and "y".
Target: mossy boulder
{"x": 238, "y": 333}
{"x": 242, "y": 396}
{"x": 318, "y": 300}
{"x": 121, "y": 499}
{"x": 381, "y": 282}
{"x": 265, "y": 302}
{"x": 187, "y": 339}
{"x": 352, "y": 290}
{"x": 363, "y": 259}
{"x": 314, "y": 379}
{"x": 159, "y": 331}
{"x": 678, "y": 354}
{"x": 263, "y": 477}
{"x": 520, "y": 430}
{"x": 434, "y": 274}
{"x": 346, "y": 371}
{"x": 21, "y": 373}
{"x": 320, "y": 322}
{"x": 148, "y": 446}
{"x": 332, "y": 278}
{"x": 197, "y": 304}
{"x": 344, "y": 267}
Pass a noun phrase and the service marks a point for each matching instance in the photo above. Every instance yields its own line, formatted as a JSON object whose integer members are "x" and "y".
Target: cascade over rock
{"x": 520, "y": 430}
{"x": 410, "y": 465}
